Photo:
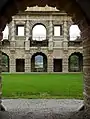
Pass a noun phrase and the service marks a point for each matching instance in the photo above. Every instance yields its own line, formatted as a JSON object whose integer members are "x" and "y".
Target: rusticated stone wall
{"x": 86, "y": 63}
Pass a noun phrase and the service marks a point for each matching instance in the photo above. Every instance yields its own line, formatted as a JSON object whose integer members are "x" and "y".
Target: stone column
{"x": 50, "y": 43}
{"x": 12, "y": 30}
{"x": 12, "y": 46}
{"x": 50, "y": 62}
{"x": 1, "y": 36}
{"x": 65, "y": 48}
{"x": 27, "y": 62}
{"x": 86, "y": 63}
{"x": 65, "y": 42}
{"x": 27, "y": 41}
{"x": 12, "y": 62}
{"x": 86, "y": 68}
{"x": 65, "y": 62}
{"x": 12, "y": 34}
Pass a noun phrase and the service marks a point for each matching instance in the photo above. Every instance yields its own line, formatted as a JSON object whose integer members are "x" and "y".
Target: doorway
{"x": 20, "y": 65}
{"x": 57, "y": 65}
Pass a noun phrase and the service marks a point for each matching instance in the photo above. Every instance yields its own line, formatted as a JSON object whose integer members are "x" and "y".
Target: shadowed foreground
{"x": 42, "y": 109}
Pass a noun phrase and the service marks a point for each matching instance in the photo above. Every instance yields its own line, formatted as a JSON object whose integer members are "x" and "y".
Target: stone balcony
{"x": 38, "y": 43}
{"x": 76, "y": 43}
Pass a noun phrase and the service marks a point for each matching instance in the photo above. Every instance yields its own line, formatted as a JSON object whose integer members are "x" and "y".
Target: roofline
{"x": 42, "y": 12}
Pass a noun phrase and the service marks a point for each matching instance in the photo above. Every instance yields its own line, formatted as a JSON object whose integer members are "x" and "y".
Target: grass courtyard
{"x": 42, "y": 85}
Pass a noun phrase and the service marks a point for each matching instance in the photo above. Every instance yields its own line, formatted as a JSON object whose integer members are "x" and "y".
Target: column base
{"x": 82, "y": 107}
{"x": 2, "y": 108}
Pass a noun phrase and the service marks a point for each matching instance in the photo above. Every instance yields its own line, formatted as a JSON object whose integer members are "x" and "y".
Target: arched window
{"x": 39, "y": 32}
{"x": 39, "y": 62}
{"x": 76, "y": 62}
{"x": 5, "y": 62}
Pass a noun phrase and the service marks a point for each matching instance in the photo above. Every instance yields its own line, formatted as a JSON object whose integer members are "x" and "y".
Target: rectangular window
{"x": 20, "y": 30}
{"x": 57, "y": 30}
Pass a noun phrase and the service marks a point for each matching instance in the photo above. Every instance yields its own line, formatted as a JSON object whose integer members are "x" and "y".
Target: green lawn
{"x": 42, "y": 85}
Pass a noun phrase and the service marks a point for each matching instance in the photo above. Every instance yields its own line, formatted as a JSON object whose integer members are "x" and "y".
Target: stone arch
{"x": 80, "y": 15}
{"x": 5, "y": 62}
{"x": 35, "y": 66}
{"x": 75, "y": 62}
{"x": 33, "y": 23}
{"x": 5, "y": 43}
{"x": 39, "y": 41}
{"x": 75, "y": 51}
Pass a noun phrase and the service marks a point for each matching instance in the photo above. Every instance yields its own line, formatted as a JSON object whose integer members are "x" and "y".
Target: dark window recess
{"x": 20, "y": 65}
{"x": 61, "y": 30}
{"x": 57, "y": 65}
{"x": 43, "y": 43}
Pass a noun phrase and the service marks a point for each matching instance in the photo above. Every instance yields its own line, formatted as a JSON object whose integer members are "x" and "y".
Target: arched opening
{"x": 75, "y": 39}
{"x": 39, "y": 35}
{"x": 39, "y": 62}
{"x": 5, "y": 62}
{"x": 39, "y": 32}
{"x": 76, "y": 62}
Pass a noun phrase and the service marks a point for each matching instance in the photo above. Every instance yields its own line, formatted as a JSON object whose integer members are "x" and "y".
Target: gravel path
{"x": 40, "y": 108}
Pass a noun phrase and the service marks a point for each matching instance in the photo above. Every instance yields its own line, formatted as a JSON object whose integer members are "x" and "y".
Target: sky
{"x": 39, "y": 33}
{"x": 74, "y": 32}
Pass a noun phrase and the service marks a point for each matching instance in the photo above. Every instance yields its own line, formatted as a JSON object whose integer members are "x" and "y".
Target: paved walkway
{"x": 40, "y": 108}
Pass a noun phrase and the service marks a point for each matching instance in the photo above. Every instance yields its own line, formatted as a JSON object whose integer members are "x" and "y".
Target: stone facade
{"x": 58, "y": 46}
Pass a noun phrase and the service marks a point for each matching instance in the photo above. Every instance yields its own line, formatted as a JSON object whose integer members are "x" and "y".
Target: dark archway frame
{"x": 35, "y": 43}
{"x": 79, "y": 10}
{"x": 44, "y": 69}
{"x": 8, "y": 59}
{"x": 80, "y": 58}
{"x": 38, "y": 24}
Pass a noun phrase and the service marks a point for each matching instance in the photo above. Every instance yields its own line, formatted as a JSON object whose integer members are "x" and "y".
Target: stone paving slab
{"x": 40, "y": 108}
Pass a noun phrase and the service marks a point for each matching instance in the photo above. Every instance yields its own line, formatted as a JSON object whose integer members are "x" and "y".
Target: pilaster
{"x": 27, "y": 41}
{"x": 50, "y": 62}
{"x": 50, "y": 44}
{"x": 65, "y": 41}
{"x": 12, "y": 30}
{"x": 12, "y": 34}
{"x": 27, "y": 62}
{"x": 65, "y": 62}
{"x": 12, "y": 62}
